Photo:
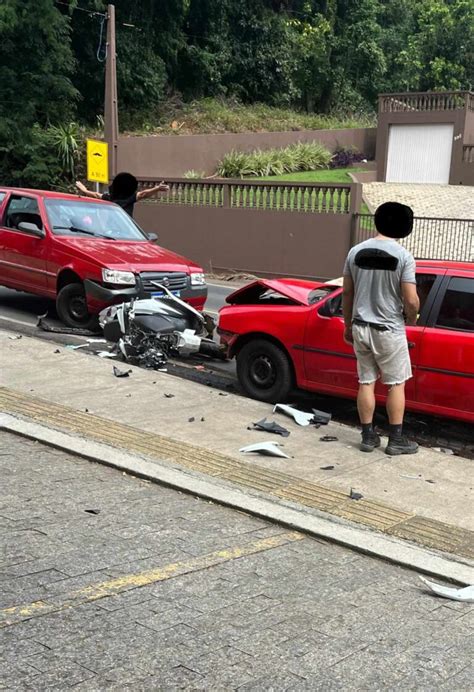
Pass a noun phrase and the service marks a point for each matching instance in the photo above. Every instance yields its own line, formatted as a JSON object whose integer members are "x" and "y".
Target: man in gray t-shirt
{"x": 379, "y": 297}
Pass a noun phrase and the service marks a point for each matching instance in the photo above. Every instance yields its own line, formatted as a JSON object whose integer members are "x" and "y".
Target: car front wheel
{"x": 264, "y": 371}
{"x": 71, "y": 305}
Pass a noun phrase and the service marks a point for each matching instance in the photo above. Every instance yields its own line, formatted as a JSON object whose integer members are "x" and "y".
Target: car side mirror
{"x": 31, "y": 229}
{"x": 152, "y": 237}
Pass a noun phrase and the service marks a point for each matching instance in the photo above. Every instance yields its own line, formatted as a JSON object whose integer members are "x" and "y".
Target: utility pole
{"x": 111, "y": 125}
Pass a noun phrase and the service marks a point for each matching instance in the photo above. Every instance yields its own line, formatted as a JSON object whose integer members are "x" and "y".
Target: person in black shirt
{"x": 123, "y": 191}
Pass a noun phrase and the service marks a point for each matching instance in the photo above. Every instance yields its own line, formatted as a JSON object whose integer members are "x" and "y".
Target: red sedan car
{"x": 50, "y": 243}
{"x": 286, "y": 333}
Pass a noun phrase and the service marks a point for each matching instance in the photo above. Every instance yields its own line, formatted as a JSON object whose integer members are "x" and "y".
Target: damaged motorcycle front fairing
{"x": 148, "y": 330}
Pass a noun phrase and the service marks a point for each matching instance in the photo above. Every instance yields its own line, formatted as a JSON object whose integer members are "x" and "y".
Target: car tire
{"x": 71, "y": 306}
{"x": 264, "y": 371}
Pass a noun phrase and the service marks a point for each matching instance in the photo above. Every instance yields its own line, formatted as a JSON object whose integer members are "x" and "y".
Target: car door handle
{"x": 411, "y": 344}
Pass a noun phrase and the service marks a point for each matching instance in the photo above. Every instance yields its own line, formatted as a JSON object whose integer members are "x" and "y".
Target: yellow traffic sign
{"x": 97, "y": 161}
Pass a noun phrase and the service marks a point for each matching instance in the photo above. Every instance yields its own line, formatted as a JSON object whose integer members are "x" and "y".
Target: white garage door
{"x": 419, "y": 153}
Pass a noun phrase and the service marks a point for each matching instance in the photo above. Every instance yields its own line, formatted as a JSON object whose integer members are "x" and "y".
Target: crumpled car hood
{"x": 297, "y": 290}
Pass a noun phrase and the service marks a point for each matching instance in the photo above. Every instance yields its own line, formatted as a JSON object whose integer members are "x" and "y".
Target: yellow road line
{"x": 10, "y": 616}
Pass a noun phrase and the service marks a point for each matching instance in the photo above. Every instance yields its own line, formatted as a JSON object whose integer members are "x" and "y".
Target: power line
{"x": 81, "y": 9}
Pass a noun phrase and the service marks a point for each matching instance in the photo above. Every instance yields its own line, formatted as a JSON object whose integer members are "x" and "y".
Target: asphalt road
{"x": 19, "y": 312}
{"x": 24, "y": 308}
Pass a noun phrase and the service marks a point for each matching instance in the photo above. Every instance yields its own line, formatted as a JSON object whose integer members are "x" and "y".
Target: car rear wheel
{"x": 264, "y": 371}
{"x": 71, "y": 305}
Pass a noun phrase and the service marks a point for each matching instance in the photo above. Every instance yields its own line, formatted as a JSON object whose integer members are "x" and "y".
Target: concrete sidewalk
{"x": 426, "y": 498}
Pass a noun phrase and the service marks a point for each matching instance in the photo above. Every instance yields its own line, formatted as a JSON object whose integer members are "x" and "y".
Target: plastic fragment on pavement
{"x": 443, "y": 450}
{"x": 300, "y": 417}
{"x": 121, "y": 373}
{"x": 74, "y": 347}
{"x": 106, "y": 354}
{"x": 16, "y": 337}
{"x": 270, "y": 426}
{"x": 465, "y": 594}
{"x": 321, "y": 416}
{"x": 327, "y": 468}
{"x": 355, "y": 495}
{"x": 328, "y": 438}
{"x": 270, "y": 449}
{"x": 45, "y": 327}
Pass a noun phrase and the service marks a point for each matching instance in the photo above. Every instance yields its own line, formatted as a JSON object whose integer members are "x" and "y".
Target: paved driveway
{"x": 452, "y": 201}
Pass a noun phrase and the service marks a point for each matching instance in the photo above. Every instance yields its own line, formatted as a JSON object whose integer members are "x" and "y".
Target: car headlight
{"x": 198, "y": 279}
{"x": 115, "y": 276}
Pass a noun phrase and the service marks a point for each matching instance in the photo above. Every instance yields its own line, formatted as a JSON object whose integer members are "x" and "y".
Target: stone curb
{"x": 354, "y": 537}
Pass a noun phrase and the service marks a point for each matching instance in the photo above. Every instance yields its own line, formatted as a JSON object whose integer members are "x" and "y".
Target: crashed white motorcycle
{"x": 149, "y": 330}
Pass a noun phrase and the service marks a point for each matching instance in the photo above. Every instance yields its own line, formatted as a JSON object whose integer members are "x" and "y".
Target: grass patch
{"x": 218, "y": 116}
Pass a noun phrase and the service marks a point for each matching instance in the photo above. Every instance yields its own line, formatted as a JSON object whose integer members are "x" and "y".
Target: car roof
{"x": 49, "y": 194}
{"x": 445, "y": 264}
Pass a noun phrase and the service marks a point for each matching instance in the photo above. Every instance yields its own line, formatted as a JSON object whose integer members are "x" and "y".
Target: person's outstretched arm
{"x": 88, "y": 193}
{"x": 150, "y": 191}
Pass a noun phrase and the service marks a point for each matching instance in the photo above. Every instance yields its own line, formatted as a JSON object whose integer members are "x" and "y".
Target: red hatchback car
{"x": 50, "y": 243}
{"x": 287, "y": 333}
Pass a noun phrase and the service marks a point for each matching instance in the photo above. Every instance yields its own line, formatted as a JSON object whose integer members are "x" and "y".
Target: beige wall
{"x": 173, "y": 155}
{"x": 264, "y": 243}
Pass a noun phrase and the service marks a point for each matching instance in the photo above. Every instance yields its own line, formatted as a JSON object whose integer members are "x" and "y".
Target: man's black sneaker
{"x": 369, "y": 442}
{"x": 400, "y": 445}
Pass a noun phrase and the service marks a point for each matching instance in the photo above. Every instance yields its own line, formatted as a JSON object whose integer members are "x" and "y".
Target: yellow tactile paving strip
{"x": 426, "y": 532}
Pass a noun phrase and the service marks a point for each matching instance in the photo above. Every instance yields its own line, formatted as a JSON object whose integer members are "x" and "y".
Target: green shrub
{"x": 303, "y": 156}
{"x": 194, "y": 174}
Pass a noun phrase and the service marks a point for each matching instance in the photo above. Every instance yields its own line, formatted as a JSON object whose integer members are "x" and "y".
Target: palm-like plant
{"x": 65, "y": 139}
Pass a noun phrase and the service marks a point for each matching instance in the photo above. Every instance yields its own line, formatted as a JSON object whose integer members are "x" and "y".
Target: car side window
{"x": 424, "y": 284}
{"x": 2, "y": 196}
{"x": 21, "y": 208}
{"x": 457, "y": 309}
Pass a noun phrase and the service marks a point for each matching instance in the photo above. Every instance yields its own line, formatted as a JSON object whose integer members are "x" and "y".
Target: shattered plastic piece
{"x": 168, "y": 396}
{"x": 321, "y": 416}
{"x": 465, "y": 594}
{"x": 41, "y": 324}
{"x": 121, "y": 373}
{"x": 203, "y": 419}
{"x": 443, "y": 450}
{"x": 97, "y": 341}
{"x": 326, "y": 468}
{"x": 428, "y": 480}
{"x": 16, "y": 337}
{"x": 266, "y": 448}
{"x": 107, "y": 354}
{"x": 270, "y": 426}
{"x": 92, "y": 511}
{"x": 223, "y": 394}
{"x": 57, "y": 351}
{"x": 328, "y": 438}
{"x": 355, "y": 496}
{"x": 300, "y": 417}
{"x": 191, "y": 420}
{"x": 74, "y": 347}
{"x": 411, "y": 478}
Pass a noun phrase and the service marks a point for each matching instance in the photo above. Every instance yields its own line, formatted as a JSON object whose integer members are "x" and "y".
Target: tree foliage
{"x": 315, "y": 55}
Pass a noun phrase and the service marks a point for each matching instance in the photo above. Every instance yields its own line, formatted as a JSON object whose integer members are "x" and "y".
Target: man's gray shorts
{"x": 382, "y": 354}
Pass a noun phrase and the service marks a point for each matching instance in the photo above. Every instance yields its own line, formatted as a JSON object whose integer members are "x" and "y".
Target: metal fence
{"x": 259, "y": 195}
{"x": 431, "y": 238}
{"x": 426, "y": 101}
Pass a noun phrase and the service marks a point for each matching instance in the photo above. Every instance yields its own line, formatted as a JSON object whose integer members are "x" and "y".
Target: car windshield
{"x": 71, "y": 217}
